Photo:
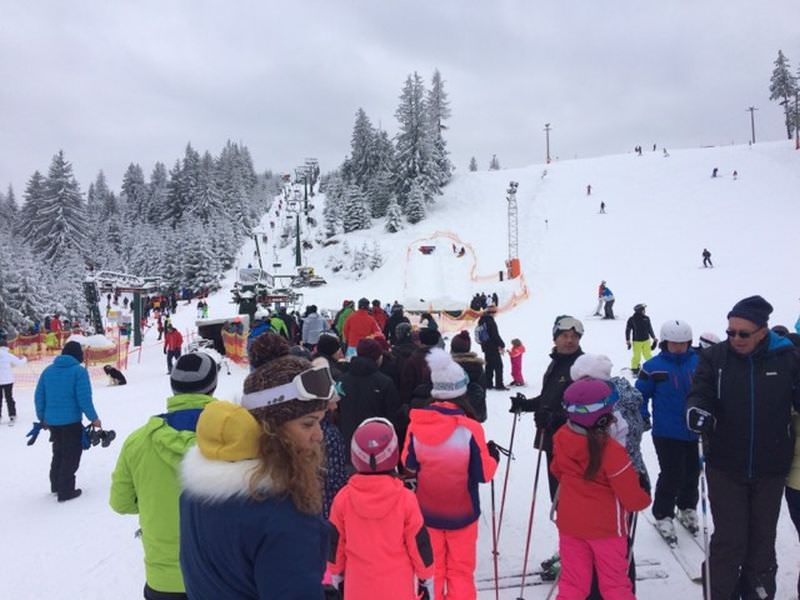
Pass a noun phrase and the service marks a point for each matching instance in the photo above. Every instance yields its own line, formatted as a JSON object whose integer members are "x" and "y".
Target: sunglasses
{"x": 732, "y": 333}
{"x": 309, "y": 385}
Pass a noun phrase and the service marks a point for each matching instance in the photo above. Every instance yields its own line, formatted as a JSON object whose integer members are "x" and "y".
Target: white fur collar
{"x": 216, "y": 480}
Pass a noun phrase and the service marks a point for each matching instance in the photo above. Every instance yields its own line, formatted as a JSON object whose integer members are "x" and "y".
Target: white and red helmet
{"x": 374, "y": 448}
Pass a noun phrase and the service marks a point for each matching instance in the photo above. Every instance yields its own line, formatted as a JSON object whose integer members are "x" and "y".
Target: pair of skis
{"x": 689, "y": 554}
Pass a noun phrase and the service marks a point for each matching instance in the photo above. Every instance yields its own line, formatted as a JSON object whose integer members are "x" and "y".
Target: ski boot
{"x": 666, "y": 529}
{"x": 551, "y": 568}
{"x": 688, "y": 518}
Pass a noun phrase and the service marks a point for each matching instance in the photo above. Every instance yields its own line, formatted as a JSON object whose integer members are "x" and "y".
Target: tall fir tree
{"x": 33, "y": 196}
{"x": 158, "y": 189}
{"x": 176, "y": 202}
{"x": 207, "y": 203}
{"x": 60, "y": 223}
{"x": 415, "y": 205}
{"x": 360, "y": 166}
{"x": 473, "y": 164}
{"x": 134, "y": 194}
{"x": 494, "y": 164}
{"x": 438, "y": 108}
{"x": 394, "y": 216}
{"x": 9, "y": 209}
{"x": 783, "y": 87}
{"x": 355, "y": 214}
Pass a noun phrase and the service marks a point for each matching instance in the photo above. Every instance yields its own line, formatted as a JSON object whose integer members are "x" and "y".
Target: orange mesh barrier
{"x": 235, "y": 347}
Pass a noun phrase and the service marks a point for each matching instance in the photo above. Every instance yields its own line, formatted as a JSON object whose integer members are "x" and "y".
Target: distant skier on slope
{"x": 707, "y": 258}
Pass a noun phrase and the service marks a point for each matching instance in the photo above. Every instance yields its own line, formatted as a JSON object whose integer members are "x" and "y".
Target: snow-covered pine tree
{"x": 11, "y": 317}
{"x": 394, "y": 216}
{"x": 415, "y": 205}
{"x": 134, "y": 193}
{"x": 783, "y": 86}
{"x": 9, "y": 211}
{"x": 190, "y": 176}
{"x": 413, "y": 156}
{"x": 331, "y": 212}
{"x": 158, "y": 188}
{"x": 359, "y": 167}
{"x": 355, "y": 214}
{"x": 26, "y": 289}
{"x": 379, "y": 193}
{"x": 201, "y": 268}
{"x": 494, "y": 164}
{"x": 375, "y": 260}
{"x": 360, "y": 260}
{"x": 207, "y": 202}
{"x": 66, "y": 284}
{"x": 176, "y": 203}
{"x": 33, "y": 196}
{"x": 59, "y": 226}
{"x": 438, "y": 109}
{"x": 473, "y": 164}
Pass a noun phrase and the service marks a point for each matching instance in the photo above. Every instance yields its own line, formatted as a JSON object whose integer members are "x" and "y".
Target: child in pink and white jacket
{"x": 447, "y": 448}
{"x": 516, "y": 352}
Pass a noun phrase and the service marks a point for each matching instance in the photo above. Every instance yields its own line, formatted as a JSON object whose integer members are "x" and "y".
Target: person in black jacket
{"x": 397, "y": 317}
{"x": 492, "y": 348}
{"x": 547, "y": 407}
{"x": 638, "y": 332}
{"x": 741, "y": 402}
{"x": 366, "y": 392}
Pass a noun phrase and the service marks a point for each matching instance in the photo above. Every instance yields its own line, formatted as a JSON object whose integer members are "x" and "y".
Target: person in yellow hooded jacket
{"x": 146, "y": 478}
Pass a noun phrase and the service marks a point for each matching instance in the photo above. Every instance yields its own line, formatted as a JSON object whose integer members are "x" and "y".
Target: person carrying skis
{"x": 596, "y": 478}
{"x": 638, "y": 332}
{"x": 741, "y": 401}
{"x": 667, "y": 379}
{"x": 600, "y": 289}
{"x": 447, "y": 449}
{"x": 381, "y": 541}
{"x": 707, "y": 258}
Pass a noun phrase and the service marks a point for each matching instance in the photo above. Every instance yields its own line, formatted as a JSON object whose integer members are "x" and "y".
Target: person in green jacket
{"x": 146, "y": 478}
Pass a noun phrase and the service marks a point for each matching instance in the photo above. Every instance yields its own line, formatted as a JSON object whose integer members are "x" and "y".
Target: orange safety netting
{"x": 235, "y": 347}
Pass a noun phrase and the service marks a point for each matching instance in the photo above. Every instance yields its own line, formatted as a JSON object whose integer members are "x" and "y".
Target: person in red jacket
{"x": 379, "y": 314}
{"x": 598, "y": 487}
{"x": 381, "y": 542}
{"x": 359, "y": 325}
{"x": 447, "y": 448}
{"x": 173, "y": 341}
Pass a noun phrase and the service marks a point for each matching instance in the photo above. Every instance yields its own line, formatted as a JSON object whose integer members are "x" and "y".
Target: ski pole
{"x": 704, "y": 509}
{"x": 494, "y": 548}
{"x": 530, "y": 517}
{"x": 505, "y": 477}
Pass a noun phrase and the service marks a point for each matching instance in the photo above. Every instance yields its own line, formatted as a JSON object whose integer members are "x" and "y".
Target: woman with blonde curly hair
{"x": 252, "y": 491}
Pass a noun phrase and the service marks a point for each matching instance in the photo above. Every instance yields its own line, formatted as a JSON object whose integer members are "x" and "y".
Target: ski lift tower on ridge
{"x": 512, "y": 263}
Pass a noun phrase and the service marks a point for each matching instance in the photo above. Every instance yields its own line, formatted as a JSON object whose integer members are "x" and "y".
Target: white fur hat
{"x": 448, "y": 379}
{"x": 596, "y": 366}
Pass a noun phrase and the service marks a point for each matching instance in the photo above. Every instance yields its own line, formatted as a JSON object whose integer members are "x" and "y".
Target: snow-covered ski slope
{"x": 661, "y": 213}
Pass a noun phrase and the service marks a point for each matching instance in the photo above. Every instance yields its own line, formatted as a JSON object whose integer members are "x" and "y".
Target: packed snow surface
{"x": 661, "y": 213}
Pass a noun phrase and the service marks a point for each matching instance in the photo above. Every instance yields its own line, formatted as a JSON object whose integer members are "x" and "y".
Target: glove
{"x": 425, "y": 589}
{"x": 648, "y": 424}
{"x": 700, "y": 421}
{"x": 494, "y": 452}
{"x": 520, "y": 403}
{"x": 654, "y": 345}
{"x": 628, "y": 343}
{"x": 34, "y": 433}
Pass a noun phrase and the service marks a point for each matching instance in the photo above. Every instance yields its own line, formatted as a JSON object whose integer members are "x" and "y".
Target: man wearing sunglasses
{"x": 741, "y": 402}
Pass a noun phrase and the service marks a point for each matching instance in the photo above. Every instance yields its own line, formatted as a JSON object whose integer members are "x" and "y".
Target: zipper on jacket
{"x": 752, "y": 419}
{"x": 719, "y": 383}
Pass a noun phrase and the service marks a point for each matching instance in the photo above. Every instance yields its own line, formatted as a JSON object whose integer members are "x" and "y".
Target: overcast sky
{"x": 113, "y": 82}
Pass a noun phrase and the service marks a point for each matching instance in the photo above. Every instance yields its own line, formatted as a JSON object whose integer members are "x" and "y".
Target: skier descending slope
{"x": 667, "y": 379}
{"x": 596, "y": 478}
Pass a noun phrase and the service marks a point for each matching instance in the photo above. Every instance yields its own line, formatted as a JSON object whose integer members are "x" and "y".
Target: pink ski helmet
{"x": 374, "y": 448}
{"x": 587, "y": 400}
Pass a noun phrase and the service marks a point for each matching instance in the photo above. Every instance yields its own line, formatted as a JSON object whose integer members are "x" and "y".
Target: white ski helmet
{"x": 676, "y": 331}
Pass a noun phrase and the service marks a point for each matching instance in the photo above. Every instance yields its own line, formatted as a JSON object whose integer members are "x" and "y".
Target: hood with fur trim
{"x": 215, "y": 481}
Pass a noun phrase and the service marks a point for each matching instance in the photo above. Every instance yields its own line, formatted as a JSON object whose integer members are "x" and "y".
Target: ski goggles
{"x": 312, "y": 384}
{"x": 565, "y": 323}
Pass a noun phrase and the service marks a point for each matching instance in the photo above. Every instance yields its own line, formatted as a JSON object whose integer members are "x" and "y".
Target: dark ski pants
{"x": 677, "y": 483}
{"x": 151, "y": 594}
{"x": 707, "y": 262}
{"x": 172, "y": 355}
{"x": 609, "y": 309}
{"x": 5, "y": 390}
{"x": 793, "y": 502}
{"x": 745, "y": 515}
{"x": 67, "y": 451}
{"x": 494, "y": 369}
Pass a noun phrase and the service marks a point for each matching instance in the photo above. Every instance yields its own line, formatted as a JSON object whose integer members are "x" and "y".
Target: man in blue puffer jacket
{"x": 667, "y": 379}
{"x": 63, "y": 395}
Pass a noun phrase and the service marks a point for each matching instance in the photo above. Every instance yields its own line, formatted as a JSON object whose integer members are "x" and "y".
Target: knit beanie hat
{"x": 328, "y": 345}
{"x": 369, "y": 348}
{"x": 363, "y": 303}
{"x": 194, "y": 373}
{"x": 265, "y": 346}
{"x": 594, "y": 366}
{"x": 754, "y": 309}
{"x": 402, "y": 332}
{"x": 279, "y": 367}
{"x": 460, "y": 343}
{"x": 587, "y": 400}
{"x": 448, "y": 379}
{"x": 429, "y": 337}
{"x": 227, "y": 431}
{"x": 73, "y": 349}
{"x": 374, "y": 447}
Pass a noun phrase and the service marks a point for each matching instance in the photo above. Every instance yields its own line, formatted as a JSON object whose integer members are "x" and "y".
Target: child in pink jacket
{"x": 447, "y": 448}
{"x": 380, "y": 542}
{"x": 516, "y": 352}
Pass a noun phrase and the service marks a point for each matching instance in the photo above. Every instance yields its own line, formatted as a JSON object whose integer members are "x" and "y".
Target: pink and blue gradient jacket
{"x": 448, "y": 451}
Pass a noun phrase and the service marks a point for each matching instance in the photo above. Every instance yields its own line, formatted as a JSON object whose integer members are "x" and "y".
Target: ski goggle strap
{"x": 565, "y": 323}
{"x": 312, "y": 384}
